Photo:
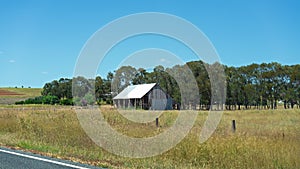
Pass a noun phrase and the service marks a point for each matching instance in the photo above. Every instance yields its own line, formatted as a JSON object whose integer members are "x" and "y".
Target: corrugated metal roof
{"x": 135, "y": 91}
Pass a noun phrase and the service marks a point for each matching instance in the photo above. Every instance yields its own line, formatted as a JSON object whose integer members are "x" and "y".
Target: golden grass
{"x": 263, "y": 139}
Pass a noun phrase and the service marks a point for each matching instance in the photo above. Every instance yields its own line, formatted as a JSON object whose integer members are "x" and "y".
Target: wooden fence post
{"x": 233, "y": 126}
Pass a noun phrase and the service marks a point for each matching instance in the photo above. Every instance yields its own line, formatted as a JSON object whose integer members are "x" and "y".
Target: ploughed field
{"x": 12, "y": 95}
{"x": 8, "y": 93}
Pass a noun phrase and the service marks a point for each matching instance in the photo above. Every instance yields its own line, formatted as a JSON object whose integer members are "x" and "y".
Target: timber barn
{"x": 143, "y": 96}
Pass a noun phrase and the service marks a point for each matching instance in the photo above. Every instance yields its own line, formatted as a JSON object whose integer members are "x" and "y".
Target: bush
{"x": 50, "y": 99}
{"x": 20, "y": 102}
{"x": 41, "y": 100}
{"x": 66, "y": 102}
{"x": 76, "y": 101}
{"x": 89, "y": 99}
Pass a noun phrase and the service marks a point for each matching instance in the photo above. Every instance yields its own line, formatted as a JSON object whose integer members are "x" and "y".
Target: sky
{"x": 40, "y": 41}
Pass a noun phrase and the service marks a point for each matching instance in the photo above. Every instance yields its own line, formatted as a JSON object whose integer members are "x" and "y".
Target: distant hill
{"x": 12, "y": 95}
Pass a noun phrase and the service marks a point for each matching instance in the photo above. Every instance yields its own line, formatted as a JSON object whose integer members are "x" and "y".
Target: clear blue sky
{"x": 40, "y": 40}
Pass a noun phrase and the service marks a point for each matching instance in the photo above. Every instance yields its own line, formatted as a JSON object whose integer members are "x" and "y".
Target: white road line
{"x": 42, "y": 159}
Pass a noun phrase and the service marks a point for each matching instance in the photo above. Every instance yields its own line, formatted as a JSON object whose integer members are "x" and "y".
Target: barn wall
{"x": 159, "y": 100}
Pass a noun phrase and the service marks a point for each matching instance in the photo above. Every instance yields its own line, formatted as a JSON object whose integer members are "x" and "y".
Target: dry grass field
{"x": 263, "y": 139}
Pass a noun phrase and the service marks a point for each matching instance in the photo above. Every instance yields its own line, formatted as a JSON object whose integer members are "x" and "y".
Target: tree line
{"x": 260, "y": 86}
{"x": 263, "y": 85}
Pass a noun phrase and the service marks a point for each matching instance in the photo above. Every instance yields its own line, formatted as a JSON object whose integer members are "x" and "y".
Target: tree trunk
{"x": 284, "y": 104}
{"x": 272, "y": 104}
{"x": 292, "y": 104}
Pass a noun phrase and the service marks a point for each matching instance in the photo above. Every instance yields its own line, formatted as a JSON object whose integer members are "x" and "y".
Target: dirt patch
{"x": 8, "y": 93}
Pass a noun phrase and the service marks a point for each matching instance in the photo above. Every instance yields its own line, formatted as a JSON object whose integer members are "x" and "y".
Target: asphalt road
{"x": 14, "y": 159}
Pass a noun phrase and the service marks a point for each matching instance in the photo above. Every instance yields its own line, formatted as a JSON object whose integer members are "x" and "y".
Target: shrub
{"x": 66, "y": 102}
{"x": 20, "y": 102}
{"x": 89, "y": 99}
{"x": 41, "y": 100}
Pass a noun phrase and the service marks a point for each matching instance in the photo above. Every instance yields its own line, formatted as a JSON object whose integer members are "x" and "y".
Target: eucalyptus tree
{"x": 122, "y": 78}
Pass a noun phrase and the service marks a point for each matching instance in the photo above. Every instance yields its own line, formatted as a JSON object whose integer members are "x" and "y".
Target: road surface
{"x": 14, "y": 159}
